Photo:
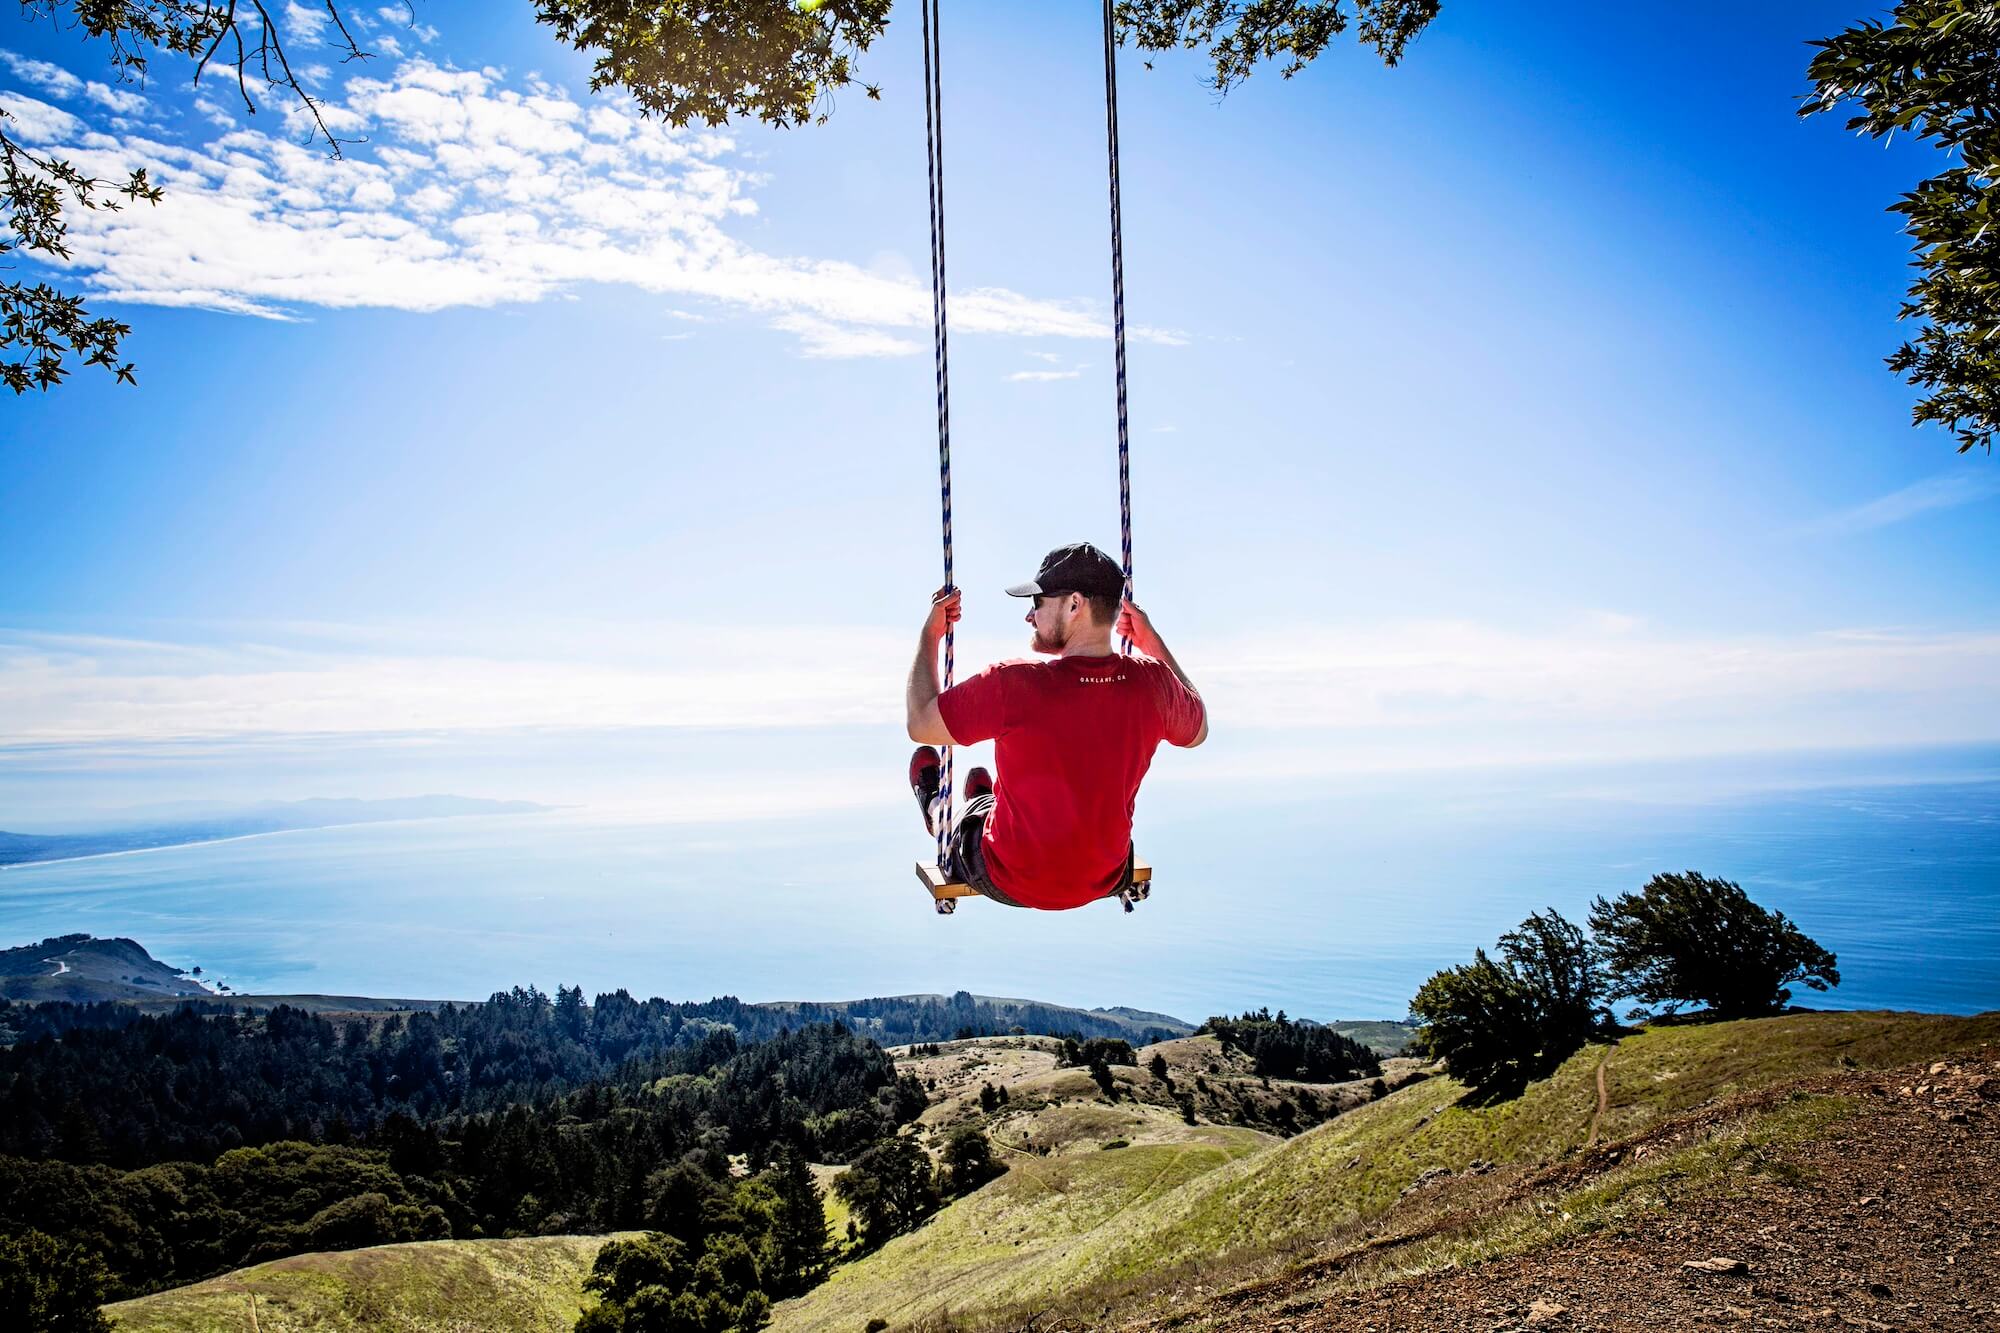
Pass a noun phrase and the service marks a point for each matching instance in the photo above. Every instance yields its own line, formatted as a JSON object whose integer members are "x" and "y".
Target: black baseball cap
{"x": 1079, "y": 568}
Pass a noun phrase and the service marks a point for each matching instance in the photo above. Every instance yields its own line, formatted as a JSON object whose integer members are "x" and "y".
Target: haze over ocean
{"x": 1331, "y": 900}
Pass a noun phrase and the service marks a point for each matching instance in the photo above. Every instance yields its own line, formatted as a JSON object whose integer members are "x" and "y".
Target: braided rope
{"x": 934, "y": 172}
{"x": 1118, "y": 303}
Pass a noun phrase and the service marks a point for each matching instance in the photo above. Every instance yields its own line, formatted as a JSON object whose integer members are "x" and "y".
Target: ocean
{"x": 1329, "y": 900}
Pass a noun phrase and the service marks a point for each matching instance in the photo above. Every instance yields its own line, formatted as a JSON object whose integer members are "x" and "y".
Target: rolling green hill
{"x": 440, "y": 1286}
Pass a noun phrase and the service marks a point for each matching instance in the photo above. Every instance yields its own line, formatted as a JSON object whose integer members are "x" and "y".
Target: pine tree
{"x": 798, "y": 1238}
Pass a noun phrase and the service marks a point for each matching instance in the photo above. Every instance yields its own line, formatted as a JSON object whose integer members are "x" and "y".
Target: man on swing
{"x": 1074, "y": 737}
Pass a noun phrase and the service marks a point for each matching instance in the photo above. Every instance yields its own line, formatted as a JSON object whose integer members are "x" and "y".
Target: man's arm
{"x": 1137, "y": 626}
{"x": 920, "y": 706}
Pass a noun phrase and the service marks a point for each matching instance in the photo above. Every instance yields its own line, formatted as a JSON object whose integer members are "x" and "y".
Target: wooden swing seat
{"x": 944, "y": 888}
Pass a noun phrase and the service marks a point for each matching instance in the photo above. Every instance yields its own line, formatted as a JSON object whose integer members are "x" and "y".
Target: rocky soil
{"x": 1891, "y": 1221}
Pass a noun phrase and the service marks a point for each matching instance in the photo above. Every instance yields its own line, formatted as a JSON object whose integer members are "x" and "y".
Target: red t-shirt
{"x": 1074, "y": 735}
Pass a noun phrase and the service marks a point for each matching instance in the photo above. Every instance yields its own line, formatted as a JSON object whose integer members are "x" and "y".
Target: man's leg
{"x": 926, "y": 776}
{"x": 967, "y": 850}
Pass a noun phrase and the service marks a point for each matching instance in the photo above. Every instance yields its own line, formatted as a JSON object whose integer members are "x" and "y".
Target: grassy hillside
{"x": 445, "y": 1286}
{"x": 1122, "y": 1209}
{"x": 1420, "y": 1177}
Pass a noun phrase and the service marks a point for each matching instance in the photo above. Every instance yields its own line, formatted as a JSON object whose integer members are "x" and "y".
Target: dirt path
{"x": 1886, "y": 1223}
{"x": 1603, "y": 1098}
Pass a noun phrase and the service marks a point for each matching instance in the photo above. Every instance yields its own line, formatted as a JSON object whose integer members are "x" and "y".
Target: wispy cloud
{"x": 118, "y": 99}
{"x": 405, "y": 17}
{"x": 1947, "y": 491}
{"x": 473, "y": 189}
{"x": 303, "y": 25}
{"x": 824, "y": 338}
{"x": 41, "y": 74}
{"x": 1387, "y": 692}
{"x": 1073, "y": 371}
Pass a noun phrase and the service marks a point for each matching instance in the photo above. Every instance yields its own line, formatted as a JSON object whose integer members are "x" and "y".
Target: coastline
{"x": 262, "y": 833}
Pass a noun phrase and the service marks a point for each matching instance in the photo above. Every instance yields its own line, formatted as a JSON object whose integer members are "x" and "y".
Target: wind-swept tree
{"x": 1556, "y": 962}
{"x": 1688, "y": 939}
{"x": 1479, "y": 1018}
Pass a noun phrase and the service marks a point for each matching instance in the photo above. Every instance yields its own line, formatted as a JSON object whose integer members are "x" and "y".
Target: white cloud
{"x": 215, "y": 113}
{"x": 305, "y": 26}
{"x": 1941, "y": 492}
{"x": 1608, "y": 676}
{"x": 264, "y": 223}
{"x": 64, "y": 688}
{"x": 118, "y": 99}
{"x": 1038, "y": 376}
{"x": 821, "y": 338}
{"x": 34, "y": 122}
{"x": 42, "y": 74}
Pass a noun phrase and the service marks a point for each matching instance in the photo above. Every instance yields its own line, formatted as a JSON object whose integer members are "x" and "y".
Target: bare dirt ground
{"x": 1890, "y": 1221}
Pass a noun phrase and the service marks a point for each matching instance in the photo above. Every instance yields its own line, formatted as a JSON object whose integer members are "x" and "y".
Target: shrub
{"x": 1097, "y": 1050}
{"x": 967, "y": 1164}
{"x": 1689, "y": 939}
{"x": 654, "y": 1285}
{"x": 50, "y": 1285}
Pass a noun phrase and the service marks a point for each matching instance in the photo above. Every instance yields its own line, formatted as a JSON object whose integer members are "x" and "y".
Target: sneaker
{"x": 926, "y": 776}
{"x": 978, "y": 783}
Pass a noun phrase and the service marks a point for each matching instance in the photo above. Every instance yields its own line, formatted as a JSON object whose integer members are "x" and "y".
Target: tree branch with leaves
{"x": 1934, "y": 71}
{"x": 44, "y": 329}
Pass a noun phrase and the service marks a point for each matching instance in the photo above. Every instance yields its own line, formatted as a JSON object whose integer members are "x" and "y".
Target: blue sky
{"x": 1522, "y": 404}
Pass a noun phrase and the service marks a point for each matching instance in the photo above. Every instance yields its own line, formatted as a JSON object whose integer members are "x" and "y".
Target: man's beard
{"x": 1052, "y": 644}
